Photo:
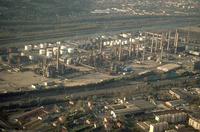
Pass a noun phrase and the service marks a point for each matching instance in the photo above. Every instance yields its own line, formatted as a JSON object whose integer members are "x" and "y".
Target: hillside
{"x": 42, "y": 9}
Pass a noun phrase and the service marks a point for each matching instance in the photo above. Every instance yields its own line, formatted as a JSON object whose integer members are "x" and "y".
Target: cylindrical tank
{"x": 55, "y": 50}
{"x": 71, "y": 50}
{"x": 49, "y": 54}
{"x": 28, "y": 47}
{"x": 141, "y": 39}
{"x": 36, "y": 47}
{"x": 22, "y": 54}
{"x": 31, "y": 57}
{"x": 42, "y": 51}
{"x": 50, "y": 45}
{"x": 58, "y": 42}
{"x": 42, "y": 46}
{"x": 63, "y": 52}
{"x": 69, "y": 61}
{"x": 63, "y": 47}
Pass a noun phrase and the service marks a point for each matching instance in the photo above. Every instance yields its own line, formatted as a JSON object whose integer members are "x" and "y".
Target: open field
{"x": 15, "y": 81}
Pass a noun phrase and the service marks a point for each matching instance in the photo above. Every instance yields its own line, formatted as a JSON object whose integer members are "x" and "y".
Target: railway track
{"x": 107, "y": 88}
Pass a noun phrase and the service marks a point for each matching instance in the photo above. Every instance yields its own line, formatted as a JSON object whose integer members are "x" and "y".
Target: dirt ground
{"x": 87, "y": 79}
{"x": 15, "y": 81}
{"x": 12, "y": 81}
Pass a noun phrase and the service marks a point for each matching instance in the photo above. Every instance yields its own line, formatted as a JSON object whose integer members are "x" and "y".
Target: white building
{"x": 172, "y": 117}
{"x": 158, "y": 127}
{"x": 194, "y": 122}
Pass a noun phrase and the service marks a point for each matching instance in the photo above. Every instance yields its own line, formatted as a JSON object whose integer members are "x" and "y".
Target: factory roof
{"x": 168, "y": 67}
{"x": 134, "y": 107}
{"x": 127, "y": 110}
{"x": 32, "y": 114}
{"x": 167, "y": 112}
{"x": 175, "y": 103}
{"x": 144, "y": 105}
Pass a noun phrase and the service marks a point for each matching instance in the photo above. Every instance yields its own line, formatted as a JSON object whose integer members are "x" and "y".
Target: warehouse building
{"x": 158, "y": 127}
{"x": 194, "y": 122}
{"x": 168, "y": 67}
{"x": 172, "y": 117}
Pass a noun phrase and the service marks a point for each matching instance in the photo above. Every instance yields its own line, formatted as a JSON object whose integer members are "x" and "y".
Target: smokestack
{"x": 120, "y": 51}
{"x": 176, "y": 41}
{"x": 152, "y": 43}
{"x": 161, "y": 44}
{"x": 101, "y": 46}
{"x": 156, "y": 44}
{"x": 58, "y": 55}
{"x": 130, "y": 48}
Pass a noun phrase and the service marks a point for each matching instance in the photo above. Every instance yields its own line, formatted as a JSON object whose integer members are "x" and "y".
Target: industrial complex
{"x": 100, "y": 66}
{"x": 131, "y": 81}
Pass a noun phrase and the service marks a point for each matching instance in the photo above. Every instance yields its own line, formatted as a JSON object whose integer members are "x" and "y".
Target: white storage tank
{"x": 31, "y": 57}
{"x": 63, "y": 52}
{"x": 22, "y": 54}
{"x": 49, "y": 54}
{"x": 63, "y": 47}
{"x": 55, "y": 50}
{"x": 50, "y": 45}
{"x": 36, "y": 47}
{"x": 42, "y": 51}
{"x": 69, "y": 61}
{"x": 58, "y": 42}
{"x": 141, "y": 39}
{"x": 42, "y": 46}
{"x": 71, "y": 50}
{"x": 28, "y": 47}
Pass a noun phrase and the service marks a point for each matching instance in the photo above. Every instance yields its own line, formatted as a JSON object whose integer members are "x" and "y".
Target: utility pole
{"x": 176, "y": 41}
{"x": 130, "y": 48}
{"x": 152, "y": 44}
{"x": 120, "y": 51}
{"x": 156, "y": 44}
{"x": 58, "y": 55}
{"x": 161, "y": 44}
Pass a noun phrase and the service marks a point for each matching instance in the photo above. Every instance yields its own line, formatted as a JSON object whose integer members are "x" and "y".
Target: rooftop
{"x": 168, "y": 67}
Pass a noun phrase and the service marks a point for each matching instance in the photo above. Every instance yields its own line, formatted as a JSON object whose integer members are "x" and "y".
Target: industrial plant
{"x": 100, "y": 66}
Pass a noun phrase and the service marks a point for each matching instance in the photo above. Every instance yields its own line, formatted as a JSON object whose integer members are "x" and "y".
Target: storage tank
{"x": 69, "y": 61}
{"x": 58, "y": 42}
{"x": 36, "y": 47}
{"x": 50, "y": 45}
{"x": 22, "y": 54}
{"x": 42, "y": 46}
{"x": 133, "y": 40}
{"x": 63, "y": 47}
{"x": 63, "y": 52}
{"x": 71, "y": 50}
{"x": 28, "y": 47}
{"x": 140, "y": 39}
{"x": 31, "y": 57}
{"x": 55, "y": 50}
{"x": 49, "y": 54}
{"x": 42, "y": 51}
{"x": 125, "y": 42}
